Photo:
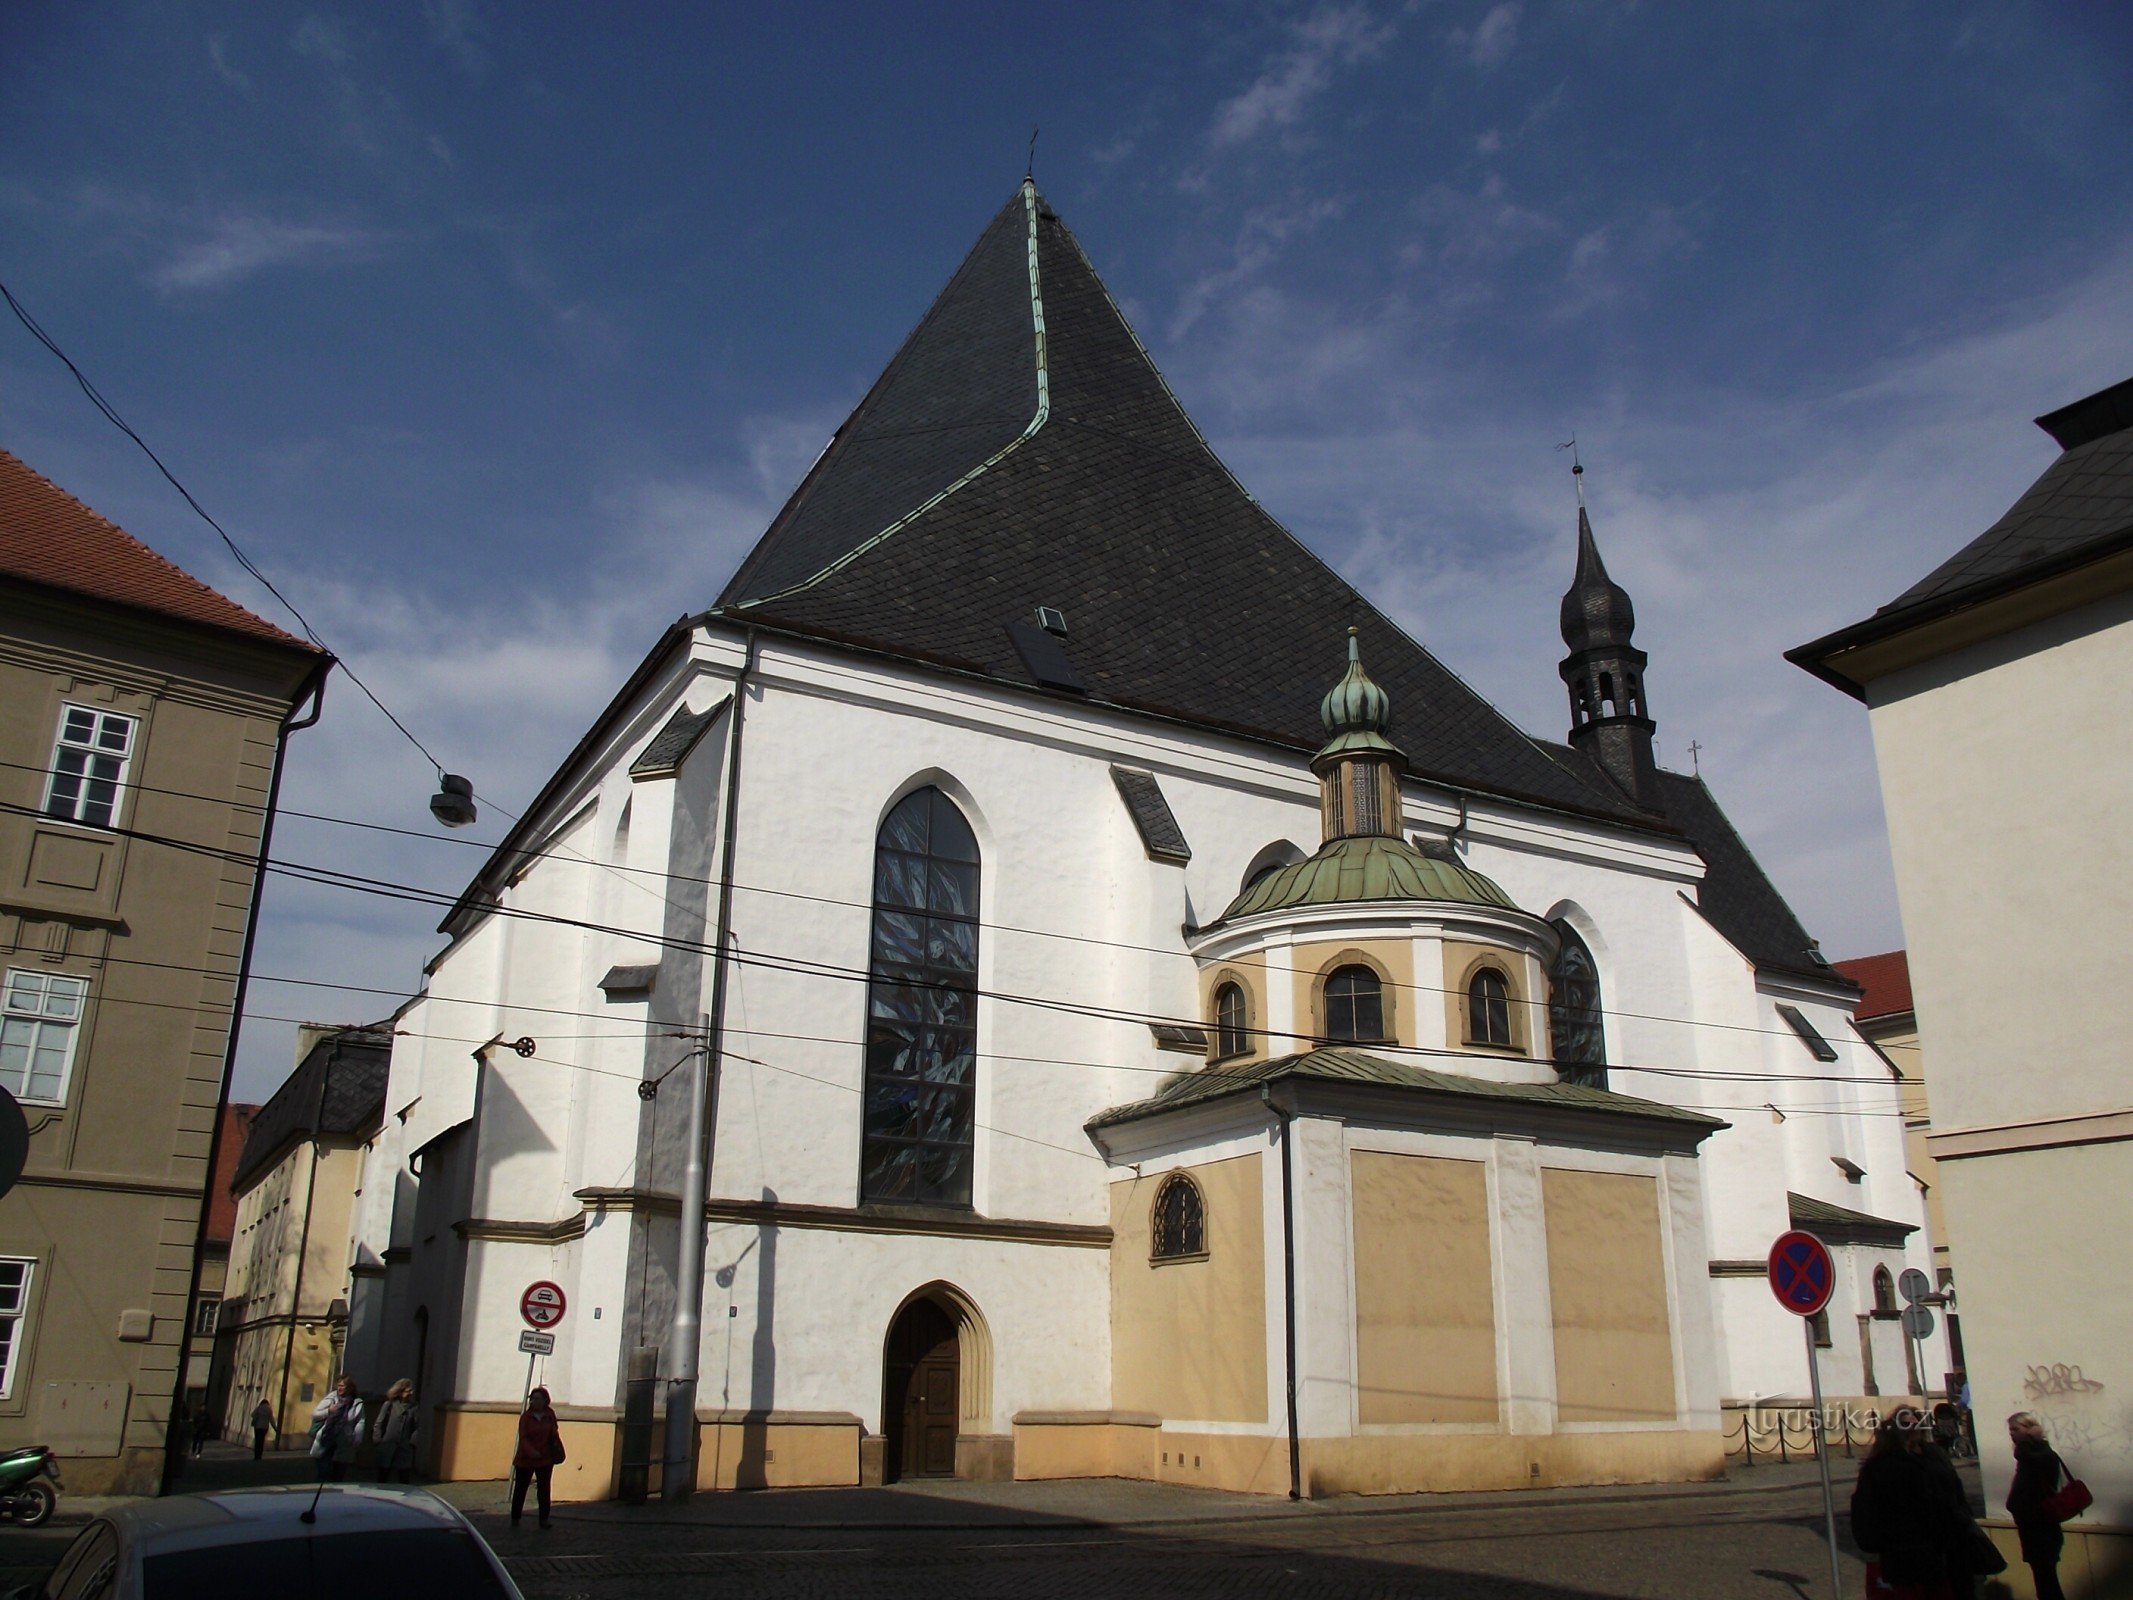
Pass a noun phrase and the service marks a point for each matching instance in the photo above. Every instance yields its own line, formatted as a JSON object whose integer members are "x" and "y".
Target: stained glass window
{"x": 1577, "y": 1037}
{"x": 1355, "y": 1006}
{"x": 1179, "y": 1224}
{"x": 921, "y": 1074}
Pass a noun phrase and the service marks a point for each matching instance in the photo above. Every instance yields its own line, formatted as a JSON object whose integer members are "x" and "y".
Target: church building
{"x": 1159, "y": 1021}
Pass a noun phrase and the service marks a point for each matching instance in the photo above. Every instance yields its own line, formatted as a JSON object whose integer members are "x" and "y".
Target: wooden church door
{"x": 923, "y": 1392}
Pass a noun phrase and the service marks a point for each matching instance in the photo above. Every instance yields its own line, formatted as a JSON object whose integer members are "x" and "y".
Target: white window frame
{"x": 14, "y": 1319}
{"x": 98, "y": 763}
{"x": 28, "y": 1025}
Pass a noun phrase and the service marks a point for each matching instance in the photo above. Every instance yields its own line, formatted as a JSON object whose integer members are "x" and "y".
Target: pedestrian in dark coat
{"x": 1901, "y": 1515}
{"x": 2036, "y": 1476}
{"x": 540, "y": 1452}
{"x": 262, "y": 1425}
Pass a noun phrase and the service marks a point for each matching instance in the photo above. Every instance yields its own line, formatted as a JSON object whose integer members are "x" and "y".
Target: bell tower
{"x": 1609, "y": 718}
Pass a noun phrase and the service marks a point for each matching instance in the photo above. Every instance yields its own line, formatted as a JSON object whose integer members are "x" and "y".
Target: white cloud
{"x": 1294, "y": 77}
{"x": 238, "y": 245}
{"x": 1260, "y": 238}
{"x": 218, "y": 57}
{"x": 322, "y": 39}
{"x": 1493, "y": 39}
{"x": 456, "y": 28}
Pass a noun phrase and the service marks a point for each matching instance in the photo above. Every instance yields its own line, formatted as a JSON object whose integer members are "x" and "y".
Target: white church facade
{"x": 1134, "y": 1047}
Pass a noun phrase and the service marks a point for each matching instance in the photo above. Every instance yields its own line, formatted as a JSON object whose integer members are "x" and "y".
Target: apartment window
{"x": 39, "y": 1017}
{"x": 14, "y": 1301}
{"x": 88, "y": 766}
{"x": 1488, "y": 1008}
{"x": 205, "y": 1316}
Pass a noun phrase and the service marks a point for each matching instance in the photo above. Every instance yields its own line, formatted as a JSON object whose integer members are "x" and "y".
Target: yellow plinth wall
{"x": 476, "y": 1440}
{"x": 1097, "y": 1444}
{"x": 2097, "y": 1563}
{"x": 776, "y": 1449}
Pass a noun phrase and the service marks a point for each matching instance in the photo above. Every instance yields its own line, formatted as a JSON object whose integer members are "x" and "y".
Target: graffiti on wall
{"x": 2078, "y": 1412}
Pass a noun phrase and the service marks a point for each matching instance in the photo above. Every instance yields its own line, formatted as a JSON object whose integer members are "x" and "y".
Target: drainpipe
{"x": 685, "y": 1333}
{"x": 313, "y": 691}
{"x": 1288, "y": 1275}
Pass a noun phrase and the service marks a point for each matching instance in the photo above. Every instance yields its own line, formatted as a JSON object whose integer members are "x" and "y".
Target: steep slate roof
{"x": 338, "y": 1088}
{"x": 2085, "y": 498}
{"x": 2080, "y": 511}
{"x": 1834, "y": 1224}
{"x": 1005, "y": 461}
{"x": 1360, "y": 1066}
{"x": 48, "y": 537}
{"x": 1887, "y": 982}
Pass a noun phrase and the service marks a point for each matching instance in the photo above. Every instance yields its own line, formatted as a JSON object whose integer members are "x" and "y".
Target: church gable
{"x": 1000, "y": 465}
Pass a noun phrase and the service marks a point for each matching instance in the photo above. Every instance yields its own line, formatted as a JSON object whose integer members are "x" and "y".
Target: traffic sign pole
{"x": 1829, "y": 1495}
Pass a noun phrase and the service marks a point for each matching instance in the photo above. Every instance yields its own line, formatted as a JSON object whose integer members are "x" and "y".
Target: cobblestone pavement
{"x": 1757, "y": 1535}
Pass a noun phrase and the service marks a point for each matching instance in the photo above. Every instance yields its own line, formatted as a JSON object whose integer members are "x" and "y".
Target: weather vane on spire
{"x": 1029, "y": 174}
{"x": 1577, "y": 468}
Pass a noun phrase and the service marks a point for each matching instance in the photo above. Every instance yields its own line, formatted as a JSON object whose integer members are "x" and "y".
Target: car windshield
{"x": 405, "y": 1563}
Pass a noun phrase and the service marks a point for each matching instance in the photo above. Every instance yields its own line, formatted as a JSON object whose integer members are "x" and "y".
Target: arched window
{"x": 1884, "y": 1290}
{"x": 921, "y": 1006}
{"x": 1231, "y": 1037}
{"x": 1577, "y": 1039}
{"x": 1488, "y": 1008}
{"x": 1178, "y": 1226}
{"x": 1355, "y": 1006}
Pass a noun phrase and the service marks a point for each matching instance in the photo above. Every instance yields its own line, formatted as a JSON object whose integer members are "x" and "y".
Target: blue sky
{"x": 496, "y": 333}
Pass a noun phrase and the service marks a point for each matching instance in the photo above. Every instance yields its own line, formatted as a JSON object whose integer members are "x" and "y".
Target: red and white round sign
{"x": 542, "y": 1305}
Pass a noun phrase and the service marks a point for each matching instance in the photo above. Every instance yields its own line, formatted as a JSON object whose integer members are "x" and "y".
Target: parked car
{"x": 364, "y": 1543}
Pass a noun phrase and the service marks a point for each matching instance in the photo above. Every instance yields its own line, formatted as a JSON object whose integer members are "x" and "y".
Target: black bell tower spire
{"x": 1609, "y": 718}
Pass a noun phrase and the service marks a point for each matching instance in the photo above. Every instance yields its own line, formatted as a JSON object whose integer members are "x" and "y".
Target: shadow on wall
{"x": 751, "y": 1469}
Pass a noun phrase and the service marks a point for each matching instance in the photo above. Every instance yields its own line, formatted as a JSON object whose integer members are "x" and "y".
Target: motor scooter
{"x": 22, "y": 1495}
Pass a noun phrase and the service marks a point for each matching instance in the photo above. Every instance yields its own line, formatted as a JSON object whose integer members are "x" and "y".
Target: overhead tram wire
{"x": 111, "y": 415}
{"x": 446, "y": 897}
{"x": 811, "y": 967}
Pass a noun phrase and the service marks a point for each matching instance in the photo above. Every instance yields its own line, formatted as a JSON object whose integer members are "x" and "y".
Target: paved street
{"x": 1756, "y": 1535}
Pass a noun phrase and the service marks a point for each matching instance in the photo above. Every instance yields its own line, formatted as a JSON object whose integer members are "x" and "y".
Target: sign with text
{"x": 542, "y": 1305}
{"x": 1801, "y": 1273}
{"x": 536, "y": 1343}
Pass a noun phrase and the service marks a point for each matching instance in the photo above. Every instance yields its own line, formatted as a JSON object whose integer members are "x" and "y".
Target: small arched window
{"x": 1884, "y": 1290}
{"x": 1178, "y": 1226}
{"x": 1488, "y": 1008}
{"x": 1355, "y": 1006}
{"x": 1231, "y": 1035}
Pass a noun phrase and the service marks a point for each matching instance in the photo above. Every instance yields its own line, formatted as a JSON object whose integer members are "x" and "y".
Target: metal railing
{"x": 1784, "y": 1431}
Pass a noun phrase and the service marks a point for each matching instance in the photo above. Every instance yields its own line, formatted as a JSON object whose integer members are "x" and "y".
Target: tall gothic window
{"x": 1488, "y": 1008}
{"x": 1576, "y": 1036}
{"x": 1355, "y": 1006}
{"x": 1179, "y": 1223}
{"x": 921, "y": 1007}
{"x": 1231, "y": 1039}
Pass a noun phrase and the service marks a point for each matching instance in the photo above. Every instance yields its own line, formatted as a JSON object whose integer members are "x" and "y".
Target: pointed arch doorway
{"x": 922, "y": 1386}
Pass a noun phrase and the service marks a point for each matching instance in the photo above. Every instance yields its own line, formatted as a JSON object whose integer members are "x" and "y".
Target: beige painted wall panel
{"x": 1424, "y": 1292}
{"x": 1188, "y": 1339}
{"x": 1614, "y": 1346}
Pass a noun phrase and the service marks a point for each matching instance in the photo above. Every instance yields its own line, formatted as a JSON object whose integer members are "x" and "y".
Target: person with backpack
{"x": 540, "y": 1452}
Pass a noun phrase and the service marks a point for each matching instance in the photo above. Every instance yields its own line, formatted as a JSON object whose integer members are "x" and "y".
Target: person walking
{"x": 1901, "y": 1516}
{"x": 540, "y": 1452}
{"x": 2036, "y": 1477}
{"x": 336, "y": 1429}
{"x": 398, "y": 1420}
{"x": 262, "y": 1425}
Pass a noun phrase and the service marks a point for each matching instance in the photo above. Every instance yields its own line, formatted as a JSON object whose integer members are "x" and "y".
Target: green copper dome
{"x": 1371, "y": 868}
{"x": 1356, "y": 712}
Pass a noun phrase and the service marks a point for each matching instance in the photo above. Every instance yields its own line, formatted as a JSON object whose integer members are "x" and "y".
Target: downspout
{"x": 314, "y": 691}
{"x": 685, "y": 1334}
{"x": 1288, "y": 1277}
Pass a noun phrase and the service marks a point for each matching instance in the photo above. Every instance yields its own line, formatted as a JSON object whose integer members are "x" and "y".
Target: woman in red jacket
{"x": 540, "y": 1452}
